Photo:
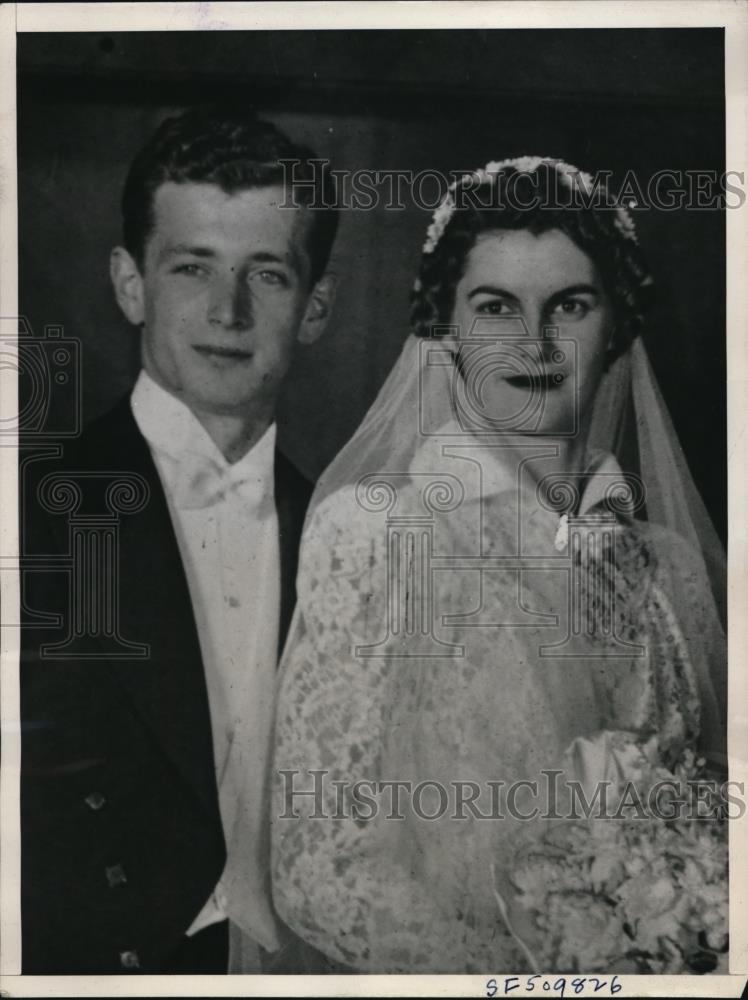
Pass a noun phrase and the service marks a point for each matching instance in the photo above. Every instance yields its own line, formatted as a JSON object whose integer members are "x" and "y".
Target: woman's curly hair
{"x": 535, "y": 201}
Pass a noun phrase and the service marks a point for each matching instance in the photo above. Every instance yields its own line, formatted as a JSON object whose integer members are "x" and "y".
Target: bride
{"x": 507, "y": 571}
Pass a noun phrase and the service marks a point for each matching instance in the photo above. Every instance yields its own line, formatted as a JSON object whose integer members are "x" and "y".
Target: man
{"x": 144, "y": 776}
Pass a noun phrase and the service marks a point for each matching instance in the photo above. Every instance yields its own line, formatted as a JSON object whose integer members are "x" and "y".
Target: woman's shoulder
{"x": 652, "y": 555}
{"x": 666, "y": 547}
{"x": 346, "y": 531}
{"x": 366, "y": 506}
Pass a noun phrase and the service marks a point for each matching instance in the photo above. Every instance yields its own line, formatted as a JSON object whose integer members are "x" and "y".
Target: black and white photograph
{"x": 370, "y": 395}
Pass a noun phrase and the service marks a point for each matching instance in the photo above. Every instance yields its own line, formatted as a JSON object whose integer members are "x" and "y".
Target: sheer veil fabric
{"x": 432, "y": 645}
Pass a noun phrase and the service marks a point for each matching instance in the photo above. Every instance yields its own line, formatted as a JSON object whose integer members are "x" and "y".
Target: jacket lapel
{"x": 292, "y": 494}
{"x": 167, "y": 688}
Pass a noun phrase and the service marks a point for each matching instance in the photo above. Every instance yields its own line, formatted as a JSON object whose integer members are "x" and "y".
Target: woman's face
{"x": 534, "y": 323}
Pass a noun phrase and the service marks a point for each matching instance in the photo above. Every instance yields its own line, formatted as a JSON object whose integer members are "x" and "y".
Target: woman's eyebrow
{"x": 580, "y": 289}
{"x": 492, "y": 290}
{"x": 193, "y": 250}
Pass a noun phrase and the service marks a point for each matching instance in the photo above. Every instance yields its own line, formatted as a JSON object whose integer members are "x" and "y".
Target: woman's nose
{"x": 230, "y": 303}
{"x": 538, "y": 325}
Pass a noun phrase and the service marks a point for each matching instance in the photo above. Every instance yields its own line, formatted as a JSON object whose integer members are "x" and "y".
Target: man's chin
{"x": 233, "y": 407}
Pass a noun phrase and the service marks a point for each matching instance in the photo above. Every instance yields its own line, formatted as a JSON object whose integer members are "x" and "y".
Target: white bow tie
{"x": 201, "y": 482}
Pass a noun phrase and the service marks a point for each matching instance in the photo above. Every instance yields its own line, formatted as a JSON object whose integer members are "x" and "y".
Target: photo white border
{"x": 114, "y": 17}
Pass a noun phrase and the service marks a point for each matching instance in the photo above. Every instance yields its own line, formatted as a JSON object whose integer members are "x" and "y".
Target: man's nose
{"x": 231, "y": 303}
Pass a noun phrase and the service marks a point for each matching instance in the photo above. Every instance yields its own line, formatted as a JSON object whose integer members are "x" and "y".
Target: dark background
{"x": 615, "y": 99}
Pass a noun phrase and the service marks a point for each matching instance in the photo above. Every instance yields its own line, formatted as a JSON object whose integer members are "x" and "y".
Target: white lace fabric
{"x": 471, "y": 688}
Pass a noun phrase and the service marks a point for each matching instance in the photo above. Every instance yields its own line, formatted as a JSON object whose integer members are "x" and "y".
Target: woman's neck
{"x": 548, "y": 460}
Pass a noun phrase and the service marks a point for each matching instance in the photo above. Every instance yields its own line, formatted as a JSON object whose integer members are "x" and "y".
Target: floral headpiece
{"x": 571, "y": 176}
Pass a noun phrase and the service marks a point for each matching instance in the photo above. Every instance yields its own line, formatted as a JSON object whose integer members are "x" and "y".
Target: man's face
{"x": 225, "y": 289}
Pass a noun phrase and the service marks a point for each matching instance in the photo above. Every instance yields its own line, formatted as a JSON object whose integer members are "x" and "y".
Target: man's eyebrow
{"x": 177, "y": 249}
{"x": 265, "y": 257}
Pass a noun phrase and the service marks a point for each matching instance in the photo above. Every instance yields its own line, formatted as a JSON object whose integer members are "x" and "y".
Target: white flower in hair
{"x": 522, "y": 164}
{"x": 439, "y": 222}
{"x": 572, "y": 176}
{"x": 625, "y": 224}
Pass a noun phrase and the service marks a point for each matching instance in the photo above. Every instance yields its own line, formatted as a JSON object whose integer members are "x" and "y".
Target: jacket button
{"x": 129, "y": 960}
{"x": 95, "y": 801}
{"x": 115, "y": 875}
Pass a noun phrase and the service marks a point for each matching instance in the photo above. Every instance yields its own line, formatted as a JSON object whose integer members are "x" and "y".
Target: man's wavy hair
{"x": 236, "y": 151}
{"x": 536, "y": 201}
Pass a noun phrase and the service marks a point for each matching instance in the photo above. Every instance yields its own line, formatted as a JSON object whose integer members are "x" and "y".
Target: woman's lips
{"x": 541, "y": 380}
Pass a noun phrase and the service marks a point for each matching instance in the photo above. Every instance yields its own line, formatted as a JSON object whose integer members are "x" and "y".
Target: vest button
{"x": 95, "y": 801}
{"x": 129, "y": 960}
{"x": 115, "y": 876}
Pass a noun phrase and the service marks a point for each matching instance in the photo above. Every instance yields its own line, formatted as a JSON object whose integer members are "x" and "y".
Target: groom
{"x": 144, "y": 778}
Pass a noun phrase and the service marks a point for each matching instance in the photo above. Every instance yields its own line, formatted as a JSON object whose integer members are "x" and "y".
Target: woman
{"x": 485, "y": 596}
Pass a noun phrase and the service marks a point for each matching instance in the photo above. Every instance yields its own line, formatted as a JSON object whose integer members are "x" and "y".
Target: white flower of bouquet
{"x": 640, "y": 888}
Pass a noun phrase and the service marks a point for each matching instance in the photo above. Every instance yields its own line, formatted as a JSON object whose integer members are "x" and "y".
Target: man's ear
{"x": 318, "y": 309}
{"x": 128, "y": 285}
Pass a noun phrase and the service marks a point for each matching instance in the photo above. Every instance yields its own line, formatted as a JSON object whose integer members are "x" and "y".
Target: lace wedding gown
{"x": 484, "y": 678}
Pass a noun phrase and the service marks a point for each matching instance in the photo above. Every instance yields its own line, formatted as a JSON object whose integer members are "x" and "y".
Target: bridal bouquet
{"x": 638, "y": 889}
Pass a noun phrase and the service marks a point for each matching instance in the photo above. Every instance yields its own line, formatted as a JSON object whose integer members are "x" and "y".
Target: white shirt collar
{"x": 172, "y": 430}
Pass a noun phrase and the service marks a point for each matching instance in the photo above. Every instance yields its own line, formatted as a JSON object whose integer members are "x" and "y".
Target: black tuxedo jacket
{"x": 121, "y": 833}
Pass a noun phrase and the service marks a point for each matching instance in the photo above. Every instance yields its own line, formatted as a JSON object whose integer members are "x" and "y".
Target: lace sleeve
{"x": 346, "y": 883}
{"x": 684, "y": 576}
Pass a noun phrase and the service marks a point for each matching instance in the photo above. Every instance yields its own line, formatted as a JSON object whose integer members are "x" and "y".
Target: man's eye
{"x": 272, "y": 277}
{"x": 191, "y": 270}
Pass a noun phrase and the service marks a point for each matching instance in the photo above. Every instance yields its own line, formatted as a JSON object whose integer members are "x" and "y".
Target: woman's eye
{"x": 572, "y": 307}
{"x": 495, "y": 307}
